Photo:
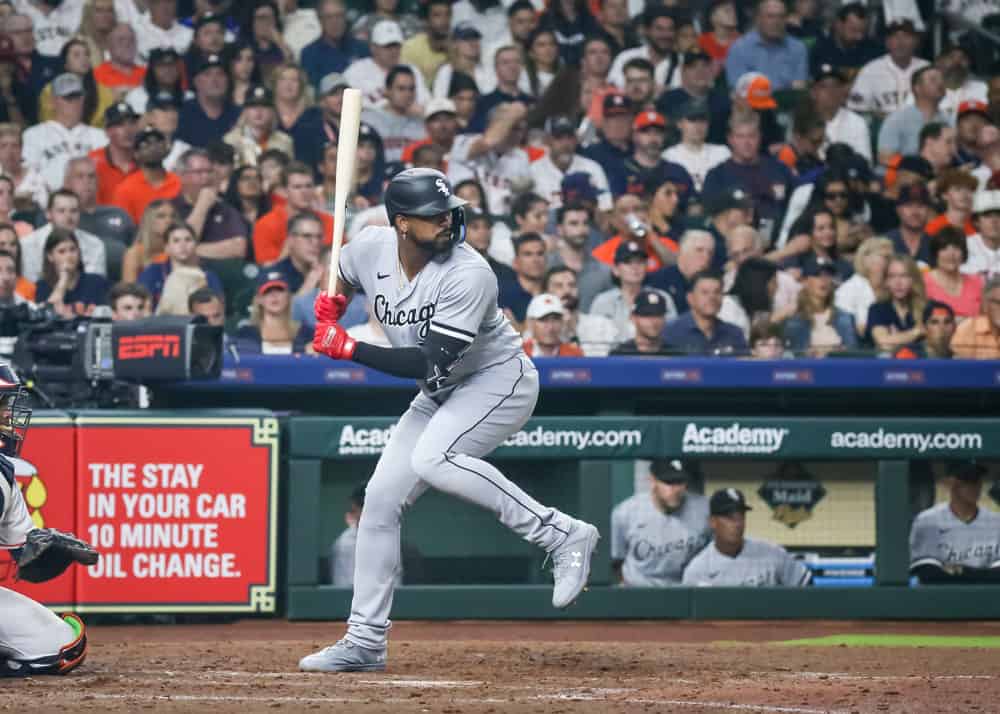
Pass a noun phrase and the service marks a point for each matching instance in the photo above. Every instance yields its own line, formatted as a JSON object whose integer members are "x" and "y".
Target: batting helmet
{"x": 425, "y": 192}
{"x": 15, "y": 413}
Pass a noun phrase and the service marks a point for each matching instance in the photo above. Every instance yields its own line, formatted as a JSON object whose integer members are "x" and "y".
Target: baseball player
{"x": 957, "y": 541}
{"x": 732, "y": 560}
{"x": 654, "y": 535}
{"x": 33, "y": 640}
{"x": 436, "y": 299}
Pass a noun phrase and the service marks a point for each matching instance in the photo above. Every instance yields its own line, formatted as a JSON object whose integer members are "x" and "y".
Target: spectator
{"x": 35, "y": 70}
{"x": 953, "y": 543}
{"x": 159, "y": 29}
{"x": 561, "y": 160}
{"x": 572, "y": 230}
{"x": 693, "y": 153}
{"x": 900, "y": 133}
{"x": 593, "y": 77}
{"x": 804, "y": 21}
{"x": 395, "y": 119}
{"x": 945, "y": 282}
{"x": 648, "y": 317}
{"x": 984, "y": 246}
{"x": 979, "y": 337}
{"x": 208, "y": 304}
{"x": 382, "y": 11}
{"x": 271, "y": 230}
{"x": 696, "y": 86}
{"x": 49, "y": 145}
{"x": 913, "y": 209}
{"x": 116, "y": 160}
{"x": 820, "y": 226}
{"x": 645, "y": 169}
{"x": 802, "y": 153}
{"x": 640, "y": 86}
{"x": 745, "y": 243}
{"x": 955, "y": 63}
{"x": 64, "y": 284}
{"x": 883, "y": 85}
{"x": 546, "y": 318}
{"x": 63, "y": 212}
{"x": 897, "y": 321}
{"x": 368, "y": 74}
{"x": 336, "y": 48}
{"x": 819, "y": 327}
{"x": 129, "y": 301}
{"x": 308, "y": 125}
{"x": 573, "y": 24}
{"x": 209, "y": 39}
{"x": 616, "y": 26}
{"x": 29, "y": 186}
{"x": 152, "y": 180}
{"x": 301, "y": 267}
{"x": 769, "y": 49}
{"x": 529, "y": 273}
{"x": 614, "y": 144}
{"x": 302, "y": 26}
{"x": 163, "y": 114}
{"x": 257, "y": 130}
{"x": 150, "y": 240}
{"x": 631, "y": 221}
{"x": 522, "y": 21}
{"x": 262, "y": 30}
{"x": 659, "y": 28}
{"x": 122, "y": 71}
{"x": 752, "y": 294}
{"x": 767, "y": 340}
{"x": 847, "y": 47}
{"x": 727, "y": 211}
{"x": 428, "y": 50}
{"x": 164, "y": 76}
{"x": 182, "y": 282}
{"x": 694, "y": 256}
{"x": 867, "y": 286}
{"x": 630, "y": 268}
{"x": 246, "y": 195}
{"x": 74, "y": 58}
{"x": 110, "y": 223}
{"x": 465, "y": 59}
{"x": 655, "y": 535}
{"x": 440, "y": 128}
{"x": 938, "y": 146}
{"x": 210, "y": 114}
{"x": 220, "y": 230}
{"x": 700, "y": 331}
{"x": 180, "y": 252}
{"x": 957, "y": 189}
{"x": 478, "y": 229}
{"x": 829, "y": 100}
{"x": 223, "y": 159}
{"x": 939, "y": 321}
{"x": 972, "y": 119}
{"x": 23, "y": 288}
{"x": 593, "y": 333}
{"x": 271, "y": 329}
{"x": 733, "y": 560}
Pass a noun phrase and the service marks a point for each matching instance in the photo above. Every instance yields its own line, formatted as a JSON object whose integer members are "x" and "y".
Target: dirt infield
{"x": 503, "y": 667}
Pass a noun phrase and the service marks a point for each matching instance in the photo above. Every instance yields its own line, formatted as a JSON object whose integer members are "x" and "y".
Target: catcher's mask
{"x": 15, "y": 414}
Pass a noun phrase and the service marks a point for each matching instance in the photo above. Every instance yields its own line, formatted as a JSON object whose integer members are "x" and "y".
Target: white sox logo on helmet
{"x": 442, "y": 187}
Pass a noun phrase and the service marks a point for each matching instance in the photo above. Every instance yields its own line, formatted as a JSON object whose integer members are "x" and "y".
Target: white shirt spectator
{"x": 972, "y": 90}
{"x": 33, "y": 253}
{"x": 397, "y": 131}
{"x": 983, "y": 260}
{"x": 33, "y": 186}
{"x": 52, "y": 30}
{"x": 301, "y": 28}
{"x": 151, "y": 37}
{"x": 666, "y": 73}
{"x": 138, "y": 98}
{"x": 883, "y": 87}
{"x": 596, "y": 334}
{"x": 548, "y": 180}
{"x": 495, "y": 172}
{"x": 486, "y": 80}
{"x": 612, "y": 305}
{"x": 698, "y": 163}
{"x": 850, "y": 128}
{"x": 854, "y": 297}
{"x": 366, "y": 75}
{"x": 46, "y": 148}
{"x": 492, "y": 22}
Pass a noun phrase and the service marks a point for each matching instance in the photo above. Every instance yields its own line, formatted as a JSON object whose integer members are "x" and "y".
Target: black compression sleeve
{"x": 407, "y": 362}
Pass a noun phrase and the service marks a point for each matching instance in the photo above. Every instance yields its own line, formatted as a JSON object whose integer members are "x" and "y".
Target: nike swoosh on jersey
{"x": 383, "y": 276}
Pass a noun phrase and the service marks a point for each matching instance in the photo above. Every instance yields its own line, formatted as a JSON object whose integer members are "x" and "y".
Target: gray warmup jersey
{"x": 456, "y": 297}
{"x": 759, "y": 564}
{"x": 656, "y": 546}
{"x": 938, "y": 537}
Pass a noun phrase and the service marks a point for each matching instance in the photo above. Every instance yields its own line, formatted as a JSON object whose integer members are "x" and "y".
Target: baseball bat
{"x": 347, "y": 149}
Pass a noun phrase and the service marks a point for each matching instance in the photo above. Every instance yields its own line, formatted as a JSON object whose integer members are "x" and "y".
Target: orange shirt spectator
{"x": 25, "y": 288}
{"x": 407, "y": 157}
{"x": 976, "y": 338}
{"x": 112, "y": 77}
{"x": 941, "y": 221}
{"x": 605, "y": 252}
{"x": 134, "y": 193}
{"x": 271, "y": 229}
{"x": 108, "y": 175}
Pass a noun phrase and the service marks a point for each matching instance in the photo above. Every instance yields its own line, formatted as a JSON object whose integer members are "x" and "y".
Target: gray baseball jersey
{"x": 655, "y": 546}
{"x": 456, "y": 297}
{"x": 938, "y": 537}
{"x": 759, "y": 564}
{"x": 15, "y": 521}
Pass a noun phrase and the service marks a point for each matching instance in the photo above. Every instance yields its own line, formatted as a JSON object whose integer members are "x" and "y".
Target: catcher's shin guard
{"x": 69, "y": 657}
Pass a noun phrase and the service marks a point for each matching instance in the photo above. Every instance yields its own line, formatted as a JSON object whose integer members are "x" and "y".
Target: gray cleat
{"x": 572, "y": 563}
{"x": 345, "y": 656}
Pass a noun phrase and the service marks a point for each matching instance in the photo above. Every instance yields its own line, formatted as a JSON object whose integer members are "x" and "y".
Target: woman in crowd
{"x": 178, "y": 287}
{"x": 752, "y": 294}
{"x": 473, "y": 192}
{"x": 246, "y": 194}
{"x": 180, "y": 252}
{"x": 269, "y": 47}
{"x": 723, "y": 20}
{"x": 867, "y": 285}
{"x": 23, "y": 228}
{"x": 464, "y": 92}
{"x": 818, "y": 327}
{"x": 244, "y": 72}
{"x": 945, "y": 282}
{"x": 257, "y": 130}
{"x": 164, "y": 75}
{"x": 666, "y": 209}
{"x": 97, "y": 21}
{"x": 75, "y": 58}
{"x": 464, "y": 58}
{"x": 271, "y": 329}
{"x": 150, "y": 239}
{"x": 820, "y": 226}
{"x": 542, "y": 62}
{"x": 369, "y": 165}
{"x": 64, "y": 285}
{"x": 293, "y": 103}
{"x": 897, "y": 321}
{"x": 10, "y": 243}
{"x": 573, "y": 24}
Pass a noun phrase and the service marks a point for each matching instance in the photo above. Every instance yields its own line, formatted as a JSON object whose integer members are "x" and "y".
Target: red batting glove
{"x": 332, "y": 340}
{"x": 329, "y": 308}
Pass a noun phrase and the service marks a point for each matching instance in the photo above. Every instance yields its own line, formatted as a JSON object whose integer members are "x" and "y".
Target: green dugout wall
{"x": 580, "y": 465}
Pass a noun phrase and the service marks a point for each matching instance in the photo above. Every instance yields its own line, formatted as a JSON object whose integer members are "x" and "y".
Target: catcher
{"x": 33, "y": 640}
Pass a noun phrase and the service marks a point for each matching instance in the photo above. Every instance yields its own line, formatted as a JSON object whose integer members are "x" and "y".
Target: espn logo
{"x": 147, "y": 346}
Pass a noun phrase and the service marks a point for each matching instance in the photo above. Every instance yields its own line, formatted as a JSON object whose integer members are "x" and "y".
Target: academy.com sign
{"x": 732, "y": 439}
{"x": 919, "y": 442}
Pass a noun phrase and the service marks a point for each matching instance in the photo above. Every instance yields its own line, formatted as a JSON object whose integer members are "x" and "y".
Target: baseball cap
{"x": 331, "y": 83}
{"x": 207, "y": 19}
{"x": 917, "y": 165}
{"x": 259, "y": 97}
{"x": 914, "y": 193}
{"x": 828, "y": 71}
{"x": 965, "y": 469}
{"x": 629, "y": 249}
{"x": 726, "y": 201}
{"x": 986, "y": 202}
{"x": 560, "y": 126}
{"x": 67, "y": 84}
{"x": 147, "y": 133}
{"x": 646, "y": 120}
{"x": 208, "y": 62}
{"x": 616, "y": 105}
{"x": 119, "y": 113}
{"x": 439, "y": 106}
{"x": 755, "y": 88}
{"x": 672, "y": 470}
{"x": 726, "y": 501}
{"x": 694, "y": 110}
{"x": 163, "y": 100}
{"x": 973, "y": 106}
{"x": 386, "y": 32}
{"x": 543, "y": 305}
{"x": 904, "y": 24}
{"x": 816, "y": 267}
{"x": 936, "y": 308}
{"x": 649, "y": 303}
{"x": 268, "y": 279}
{"x": 466, "y": 31}
{"x": 695, "y": 57}
{"x": 162, "y": 54}
{"x": 577, "y": 187}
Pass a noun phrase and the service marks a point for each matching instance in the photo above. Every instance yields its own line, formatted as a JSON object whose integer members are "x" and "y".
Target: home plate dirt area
{"x": 546, "y": 667}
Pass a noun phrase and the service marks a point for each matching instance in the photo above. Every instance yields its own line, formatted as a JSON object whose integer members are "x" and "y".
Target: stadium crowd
{"x": 764, "y": 179}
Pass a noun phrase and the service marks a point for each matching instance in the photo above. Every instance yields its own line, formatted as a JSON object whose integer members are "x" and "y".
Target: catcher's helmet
{"x": 425, "y": 192}
{"x": 15, "y": 414}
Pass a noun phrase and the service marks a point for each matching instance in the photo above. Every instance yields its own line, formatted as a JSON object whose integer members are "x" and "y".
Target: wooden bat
{"x": 347, "y": 149}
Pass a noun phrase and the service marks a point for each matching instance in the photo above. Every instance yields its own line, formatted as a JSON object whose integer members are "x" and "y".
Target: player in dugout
{"x": 732, "y": 559}
{"x": 957, "y": 542}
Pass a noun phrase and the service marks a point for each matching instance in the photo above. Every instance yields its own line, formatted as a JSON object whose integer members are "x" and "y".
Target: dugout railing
{"x": 580, "y": 464}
